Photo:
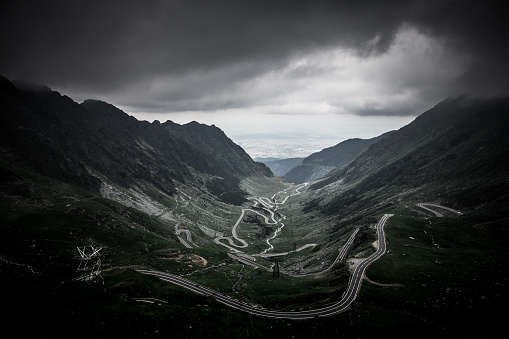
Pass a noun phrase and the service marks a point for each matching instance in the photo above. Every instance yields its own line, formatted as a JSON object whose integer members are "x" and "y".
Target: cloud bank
{"x": 278, "y": 57}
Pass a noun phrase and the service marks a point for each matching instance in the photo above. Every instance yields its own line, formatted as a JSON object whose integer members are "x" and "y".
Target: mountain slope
{"x": 428, "y": 289}
{"x": 455, "y": 152}
{"x": 282, "y": 166}
{"x": 320, "y": 164}
{"x": 86, "y": 143}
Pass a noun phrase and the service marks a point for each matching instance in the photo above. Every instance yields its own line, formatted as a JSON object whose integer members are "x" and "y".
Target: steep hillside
{"x": 320, "y": 164}
{"x": 282, "y": 166}
{"x": 455, "y": 152}
{"x": 94, "y": 142}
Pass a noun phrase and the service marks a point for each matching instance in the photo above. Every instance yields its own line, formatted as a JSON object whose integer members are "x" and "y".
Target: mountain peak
{"x": 27, "y": 86}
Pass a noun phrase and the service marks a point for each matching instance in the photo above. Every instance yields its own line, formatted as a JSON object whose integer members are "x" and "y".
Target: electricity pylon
{"x": 89, "y": 263}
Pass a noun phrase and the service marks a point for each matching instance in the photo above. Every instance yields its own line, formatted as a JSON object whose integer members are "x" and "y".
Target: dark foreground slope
{"x": 320, "y": 164}
{"x": 456, "y": 153}
{"x": 84, "y": 143}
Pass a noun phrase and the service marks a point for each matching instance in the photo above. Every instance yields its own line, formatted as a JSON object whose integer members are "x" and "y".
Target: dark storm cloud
{"x": 110, "y": 42}
{"x": 476, "y": 28}
{"x": 106, "y": 46}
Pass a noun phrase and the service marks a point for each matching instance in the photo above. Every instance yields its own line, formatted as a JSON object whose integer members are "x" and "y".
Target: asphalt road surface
{"x": 188, "y": 235}
{"x": 438, "y": 214}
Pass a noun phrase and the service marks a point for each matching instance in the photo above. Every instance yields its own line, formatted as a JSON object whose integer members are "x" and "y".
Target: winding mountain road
{"x": 267, "y": 204}
{"x": 265, "y": 255}
{"x": 349, "y": 296}
{"x": 188, "y": 236}
{"x": 438, "y": 214}
{"x": 341, "y": 255}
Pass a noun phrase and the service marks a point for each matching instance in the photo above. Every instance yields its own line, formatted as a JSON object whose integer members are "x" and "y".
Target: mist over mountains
{"x": 455, "y": 152}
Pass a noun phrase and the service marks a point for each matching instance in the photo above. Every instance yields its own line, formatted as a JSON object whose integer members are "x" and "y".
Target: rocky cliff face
{"x": 86, "y": 144}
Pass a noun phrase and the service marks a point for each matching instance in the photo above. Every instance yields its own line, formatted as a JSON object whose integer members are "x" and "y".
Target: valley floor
{"x": 435, "y": 273}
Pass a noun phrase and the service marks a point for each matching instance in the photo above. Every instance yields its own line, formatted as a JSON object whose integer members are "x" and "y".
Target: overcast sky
{"x": 332, "y": 69}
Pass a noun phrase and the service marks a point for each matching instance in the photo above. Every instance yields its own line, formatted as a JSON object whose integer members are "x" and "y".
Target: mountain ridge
{"x": 455, "y": 151}
{"x": 281, "y": 166}
{"x": 66, "y": 140}
{"x": 322, "y": 163}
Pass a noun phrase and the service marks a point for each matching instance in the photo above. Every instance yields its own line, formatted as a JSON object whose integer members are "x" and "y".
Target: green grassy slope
{"x": 461, "y": 277}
